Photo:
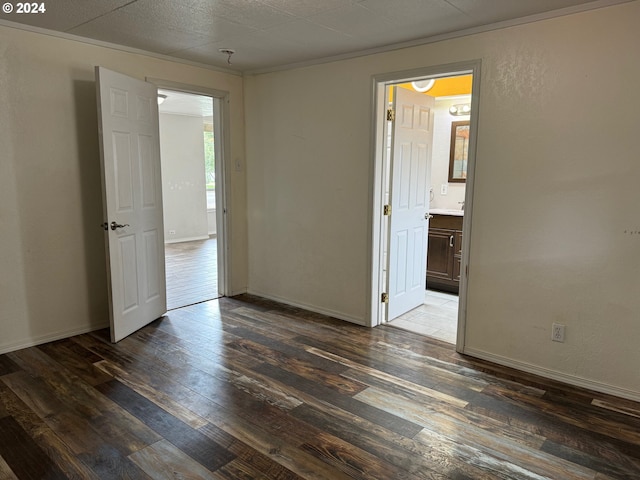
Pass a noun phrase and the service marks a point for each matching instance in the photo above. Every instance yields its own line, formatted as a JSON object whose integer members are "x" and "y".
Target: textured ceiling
{"x": 268, "y": 34}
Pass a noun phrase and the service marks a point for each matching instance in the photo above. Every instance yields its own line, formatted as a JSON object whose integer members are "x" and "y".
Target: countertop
{"x": 446, "y": 211}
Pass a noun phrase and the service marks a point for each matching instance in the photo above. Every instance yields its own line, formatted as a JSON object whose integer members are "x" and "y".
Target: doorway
{"x": 439, "y": 311}
{"x": 191, "y": 144}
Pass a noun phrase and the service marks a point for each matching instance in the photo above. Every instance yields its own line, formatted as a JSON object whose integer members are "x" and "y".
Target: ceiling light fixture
{"x": 227, "y": 51}
{"x": 161, "y": 98}
{"x": 423, "y": 85}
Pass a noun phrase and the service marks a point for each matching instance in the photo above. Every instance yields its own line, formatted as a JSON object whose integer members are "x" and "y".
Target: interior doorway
{"x": 191, "y": 157}
{"x": 439, "y": 311}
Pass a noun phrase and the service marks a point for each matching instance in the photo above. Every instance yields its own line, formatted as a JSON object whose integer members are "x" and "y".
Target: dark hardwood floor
{"x": 244, "y": 388}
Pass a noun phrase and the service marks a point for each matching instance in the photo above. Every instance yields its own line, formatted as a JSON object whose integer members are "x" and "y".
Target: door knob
{"x": 115, "y": 225}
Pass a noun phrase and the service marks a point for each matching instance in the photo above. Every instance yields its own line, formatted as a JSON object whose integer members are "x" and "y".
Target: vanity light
{"x": 161, "y": 98}
{"x": 423, "y": 85}
{"x": 461, "y": 109}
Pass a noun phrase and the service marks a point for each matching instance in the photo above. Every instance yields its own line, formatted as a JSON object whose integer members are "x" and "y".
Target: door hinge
{"x": 391, "y": 115}
{"x": 384, "y": 298}
{"x": 386, "y": 210}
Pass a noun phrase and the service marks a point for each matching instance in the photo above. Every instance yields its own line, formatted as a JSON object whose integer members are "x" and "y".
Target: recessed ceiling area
{"x": 272, "y": 34}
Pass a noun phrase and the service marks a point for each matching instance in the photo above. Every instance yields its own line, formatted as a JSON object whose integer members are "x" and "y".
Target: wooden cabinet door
{"x": 457, "y": 243}
{"x": 457, "y": 261}
{"x": 439, "y": 255}
{"x": 457, "y": 256}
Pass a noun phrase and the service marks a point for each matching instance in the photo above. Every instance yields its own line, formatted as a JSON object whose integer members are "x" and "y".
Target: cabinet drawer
{"x": 448, "y": 222}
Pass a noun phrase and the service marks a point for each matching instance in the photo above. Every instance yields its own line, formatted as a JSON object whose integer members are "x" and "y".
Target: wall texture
{"x": 184, "y": 194}
{"x": 555, "y": 226}
{"x": 52, "y": 260}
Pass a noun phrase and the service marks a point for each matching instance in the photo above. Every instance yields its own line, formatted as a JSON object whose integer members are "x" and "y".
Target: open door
{"x": 132, "y": 199}
{"x": 412, "y": 138}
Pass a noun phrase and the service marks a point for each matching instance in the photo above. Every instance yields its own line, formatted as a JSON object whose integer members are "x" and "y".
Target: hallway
{"x": 192, "y": 272}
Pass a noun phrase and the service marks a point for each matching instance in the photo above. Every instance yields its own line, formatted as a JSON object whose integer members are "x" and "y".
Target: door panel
{"x": 132, "y": 197}
{"x": 127, "y": 253}
{"x": 123, "y": 171}
{"x": 151, "y": 243}
{"x": 412, "y": 134}
{"x": 148, "y": 172}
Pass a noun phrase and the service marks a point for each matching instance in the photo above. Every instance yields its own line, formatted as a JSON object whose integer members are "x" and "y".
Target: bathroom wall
{"x": 441, "y": 151}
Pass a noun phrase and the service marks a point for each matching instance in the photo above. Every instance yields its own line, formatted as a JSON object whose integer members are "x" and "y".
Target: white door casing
{"x": 412, "y": 139}
{"x": 132, "y": 200}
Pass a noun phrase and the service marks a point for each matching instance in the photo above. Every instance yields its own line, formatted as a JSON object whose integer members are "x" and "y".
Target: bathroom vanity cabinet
{"x": 444, "y": 252}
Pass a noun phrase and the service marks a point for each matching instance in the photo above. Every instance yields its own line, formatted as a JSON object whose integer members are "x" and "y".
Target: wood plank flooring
{"x": 192, "y": 272}
{"x": 243, "y": 388}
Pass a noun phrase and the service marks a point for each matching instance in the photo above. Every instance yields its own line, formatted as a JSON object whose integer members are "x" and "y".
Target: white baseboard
{"x": 51, "y": 337}
{"x": 187, "y": 239}
{"x": 311, "y": 308}
{"x": 554, "y": 375}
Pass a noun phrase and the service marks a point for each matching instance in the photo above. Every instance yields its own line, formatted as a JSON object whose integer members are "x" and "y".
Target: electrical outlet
{"x": 444, "y": 189}
{"x": 557, "y": 332}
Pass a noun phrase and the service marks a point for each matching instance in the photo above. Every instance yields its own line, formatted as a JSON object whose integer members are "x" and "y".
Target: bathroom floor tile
{"x": 437, "y": 317}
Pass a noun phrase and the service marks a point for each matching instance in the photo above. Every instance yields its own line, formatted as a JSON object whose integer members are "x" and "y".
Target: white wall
{"x": 441, "y": 154}
{"x": 52, "y": 260}
{"x": 212, "y": 228}
{"x": 184, "y": 193}
{"x": 555, "y": 197}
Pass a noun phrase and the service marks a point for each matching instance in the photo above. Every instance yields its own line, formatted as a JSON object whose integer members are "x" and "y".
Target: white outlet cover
{"x": 557, "y": 332}
{"x": 444, "y": 189}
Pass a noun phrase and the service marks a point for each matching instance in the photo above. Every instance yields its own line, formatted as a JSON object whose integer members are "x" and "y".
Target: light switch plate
{"x": 444, "y": 189}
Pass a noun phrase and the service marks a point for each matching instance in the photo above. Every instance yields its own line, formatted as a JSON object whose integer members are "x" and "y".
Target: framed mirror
{"x": 459, "y": 152}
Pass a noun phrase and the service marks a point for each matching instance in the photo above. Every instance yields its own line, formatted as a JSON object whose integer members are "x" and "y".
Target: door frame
{"x": 221, "y": 130}
{"x": 377, "y": 311}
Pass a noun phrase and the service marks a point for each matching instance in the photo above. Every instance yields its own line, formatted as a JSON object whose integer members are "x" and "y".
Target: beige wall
{"x": 52, "y": 260}
{"x": 556, "y": 195}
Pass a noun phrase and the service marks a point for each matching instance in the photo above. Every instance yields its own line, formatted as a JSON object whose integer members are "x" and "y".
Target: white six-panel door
{"x": 412, "y": 138}
{"x": 132, "y": 199}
